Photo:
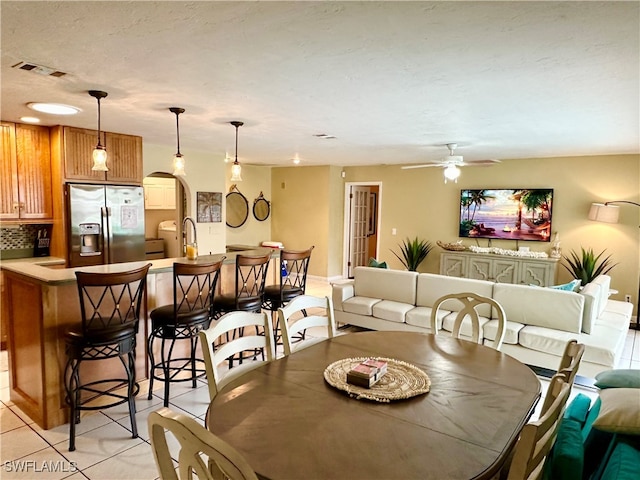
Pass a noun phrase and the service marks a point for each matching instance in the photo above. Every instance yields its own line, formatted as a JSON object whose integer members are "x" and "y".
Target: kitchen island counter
{"x": 43, "y": 304}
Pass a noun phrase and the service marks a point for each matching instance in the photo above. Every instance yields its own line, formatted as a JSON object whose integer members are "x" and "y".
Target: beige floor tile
{"x": 195, "y": 401}
{"x": 98, "y": 444}
{"x": 141, "y": 420}
{"x": 19, "y": 443}
{"x": 46, "y": 464}
{"x": 136, "y": 462}
{"x": 57, "y": 435}
{"x": 9, "y": 420}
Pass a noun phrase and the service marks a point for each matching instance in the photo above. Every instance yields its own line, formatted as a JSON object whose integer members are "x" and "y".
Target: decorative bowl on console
{"x": 454, "y": 247}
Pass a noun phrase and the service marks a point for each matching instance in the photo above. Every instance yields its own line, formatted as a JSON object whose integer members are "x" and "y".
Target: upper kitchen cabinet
{"x": 26, "y": 195}
{"x": 124, "y": 157}
{"x": 159, "y": 193}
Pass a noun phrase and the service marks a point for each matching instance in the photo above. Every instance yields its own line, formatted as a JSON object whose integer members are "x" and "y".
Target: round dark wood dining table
{"x": 291, "y": 424}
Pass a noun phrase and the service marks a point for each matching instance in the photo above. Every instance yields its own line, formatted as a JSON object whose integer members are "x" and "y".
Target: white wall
{"x": 205, "y": 173}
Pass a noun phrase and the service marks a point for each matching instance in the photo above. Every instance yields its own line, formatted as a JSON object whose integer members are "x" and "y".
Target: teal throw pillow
{"x": 566, "y": 460}
{"x": 619, "y": 378}
{"x": 578, "y": 409}
{"x": 572, "y": 286}
{"x": 376, "y": 264}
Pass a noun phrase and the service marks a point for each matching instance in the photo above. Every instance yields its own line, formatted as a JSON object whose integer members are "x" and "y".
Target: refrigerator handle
{"x": 107, "y": 235}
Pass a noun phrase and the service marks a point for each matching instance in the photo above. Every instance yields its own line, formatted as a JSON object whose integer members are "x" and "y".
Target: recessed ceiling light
{"x": 29, "y": 119}
{"x": 53, "y": 108}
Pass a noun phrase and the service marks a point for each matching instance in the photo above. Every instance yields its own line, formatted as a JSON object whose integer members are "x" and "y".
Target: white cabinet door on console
{"x": 497, "y": 268}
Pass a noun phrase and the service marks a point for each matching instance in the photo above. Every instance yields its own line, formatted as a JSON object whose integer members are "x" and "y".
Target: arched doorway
{"x": 165, "y": 204}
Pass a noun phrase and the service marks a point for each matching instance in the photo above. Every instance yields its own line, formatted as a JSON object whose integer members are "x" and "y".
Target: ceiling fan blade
{"x": 423, "y": 165}
{"x": 480, "y": 163}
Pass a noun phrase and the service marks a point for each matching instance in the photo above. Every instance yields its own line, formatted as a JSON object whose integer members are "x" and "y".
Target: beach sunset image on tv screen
{"x": 509, "y": 214}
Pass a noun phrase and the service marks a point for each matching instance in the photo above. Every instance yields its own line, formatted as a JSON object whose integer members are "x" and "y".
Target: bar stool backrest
{"x": 111, "y": 301}
{"x": 194, "y": 286}
{"x": 293, "y": 272}
{"x": 251, "y": 276}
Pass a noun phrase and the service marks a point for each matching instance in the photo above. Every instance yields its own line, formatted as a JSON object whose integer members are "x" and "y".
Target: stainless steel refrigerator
{"x": 106, "y": 224}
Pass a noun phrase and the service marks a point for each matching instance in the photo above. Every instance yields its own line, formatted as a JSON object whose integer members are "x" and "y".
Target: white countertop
{"x": 38, "y": 268}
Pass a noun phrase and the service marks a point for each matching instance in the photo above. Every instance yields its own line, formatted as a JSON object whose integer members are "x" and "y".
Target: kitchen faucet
{"x": 184, "y": 234}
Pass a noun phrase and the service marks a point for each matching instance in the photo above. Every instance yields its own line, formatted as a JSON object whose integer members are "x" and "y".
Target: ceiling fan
{"x": 452, "y": 163}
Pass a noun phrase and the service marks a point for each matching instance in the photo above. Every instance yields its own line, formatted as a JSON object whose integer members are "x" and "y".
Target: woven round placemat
{"x": 401, "y": 381}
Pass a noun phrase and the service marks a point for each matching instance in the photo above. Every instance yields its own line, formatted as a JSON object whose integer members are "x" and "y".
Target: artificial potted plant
{"x": 413, "y": 253}
{"x": 588, "y": 265}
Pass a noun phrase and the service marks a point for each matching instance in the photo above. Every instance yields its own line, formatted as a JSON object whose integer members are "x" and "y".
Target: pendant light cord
{"x": 99, "y": 145}
{"x": 237, "y": 143}
{"x": 178, "y": 131}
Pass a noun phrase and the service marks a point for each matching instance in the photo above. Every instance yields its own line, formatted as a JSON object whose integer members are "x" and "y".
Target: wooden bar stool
{"x": 110, "y": 309}
{"x": 194, "y": 286}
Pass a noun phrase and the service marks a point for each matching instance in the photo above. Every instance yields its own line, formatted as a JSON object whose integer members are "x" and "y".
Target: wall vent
{"x": 40, "y": 69}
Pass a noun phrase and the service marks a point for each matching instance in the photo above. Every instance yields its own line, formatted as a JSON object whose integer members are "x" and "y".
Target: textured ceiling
{"x": 393, "y": 81}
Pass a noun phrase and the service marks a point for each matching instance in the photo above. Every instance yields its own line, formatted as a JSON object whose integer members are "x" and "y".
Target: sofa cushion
{"x": 604, "y": 281}
{"x": 623, "y": 464}
{"x": 566, "y": 459}
{"x": 490, "y": 329}
{"x": 578, "y": 409}
{"x": 542, "y": 307}
{"x": 376, "y": 264}
{"x": 466, "y": 329}
{"x": 600, "y": 347}
{"x": 392, "y": 311}
{"x": 619, "y": 412}
{"x": 359, "y": 305}
{"x": 421, "y": 317}
{"x": 591, "y": 294}
{"x": 385, "y": 284}
{"x": 431, "y": 287}
{"x": 618, "y": 378}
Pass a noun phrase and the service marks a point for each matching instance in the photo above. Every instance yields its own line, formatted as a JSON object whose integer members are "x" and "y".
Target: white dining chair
{"x": 570, "y": 361}
{"x": 301, "y": 313}
{"x": 537, "y": 438}
{"x": 197, "y": 445}
{"x": 470, "y": 303}
{"x": 231, "y": 335}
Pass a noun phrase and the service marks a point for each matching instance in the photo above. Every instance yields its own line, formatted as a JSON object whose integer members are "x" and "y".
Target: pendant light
{"x": 100, "y": 152}
{"x": 178, "y": 159}
{"x": 236, "y": 169}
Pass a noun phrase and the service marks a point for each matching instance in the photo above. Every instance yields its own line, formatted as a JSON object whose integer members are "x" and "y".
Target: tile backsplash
{"x": 18, "y": 238}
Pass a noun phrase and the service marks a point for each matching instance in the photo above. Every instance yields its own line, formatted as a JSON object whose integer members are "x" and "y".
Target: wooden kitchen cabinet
{"x": 26, "y": 193}
{"x": 4, "y": 314}
{"x": 499, "y": 268}
{"x": 124, "y": 157}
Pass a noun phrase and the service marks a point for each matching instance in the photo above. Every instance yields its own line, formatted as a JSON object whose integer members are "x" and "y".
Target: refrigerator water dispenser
{"x": 89, "y": 239}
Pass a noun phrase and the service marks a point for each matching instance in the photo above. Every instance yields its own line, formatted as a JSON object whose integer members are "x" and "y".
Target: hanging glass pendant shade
{"x": 178, "y": 158}
{"x": 100, "y": 152}
{"x": 236, "y": 168}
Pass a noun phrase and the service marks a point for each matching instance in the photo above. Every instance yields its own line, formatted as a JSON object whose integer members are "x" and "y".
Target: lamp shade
{"x": 601, "y": 212}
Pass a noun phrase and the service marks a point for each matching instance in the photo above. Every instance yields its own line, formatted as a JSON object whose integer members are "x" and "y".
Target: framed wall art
{"x": 209, "y": 207}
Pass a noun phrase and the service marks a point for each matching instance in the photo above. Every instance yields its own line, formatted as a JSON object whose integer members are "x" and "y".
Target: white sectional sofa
{"x": 539, "y": 320}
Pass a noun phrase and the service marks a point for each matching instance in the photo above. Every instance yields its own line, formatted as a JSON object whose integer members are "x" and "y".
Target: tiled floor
{"x": 105, "y": 449}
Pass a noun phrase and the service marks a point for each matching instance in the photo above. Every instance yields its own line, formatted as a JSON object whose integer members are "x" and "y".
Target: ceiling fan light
{"x": 451, "y": 173}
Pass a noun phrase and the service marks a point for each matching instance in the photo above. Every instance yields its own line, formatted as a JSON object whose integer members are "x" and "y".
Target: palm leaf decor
{"x": 588, "y": 265}
{"x": 413, "y": 252}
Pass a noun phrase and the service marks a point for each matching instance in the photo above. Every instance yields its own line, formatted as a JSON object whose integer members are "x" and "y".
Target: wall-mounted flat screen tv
{"x": 507, "y": 214}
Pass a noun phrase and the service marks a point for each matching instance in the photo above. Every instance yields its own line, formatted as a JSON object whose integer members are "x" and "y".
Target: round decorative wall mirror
{"x": 237, "y": 208}
{"x": 261, "y": 208}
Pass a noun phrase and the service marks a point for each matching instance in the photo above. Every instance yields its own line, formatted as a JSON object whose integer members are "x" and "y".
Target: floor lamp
{"x": 608, "y": 212}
